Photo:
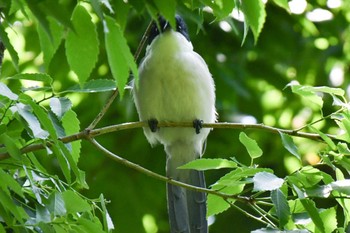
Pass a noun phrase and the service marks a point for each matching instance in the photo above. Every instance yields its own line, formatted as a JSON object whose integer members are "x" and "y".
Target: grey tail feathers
{"x": 186, "y": 208}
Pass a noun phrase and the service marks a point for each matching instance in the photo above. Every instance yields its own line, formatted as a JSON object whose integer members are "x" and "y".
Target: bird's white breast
{"x": 175, "y": 85}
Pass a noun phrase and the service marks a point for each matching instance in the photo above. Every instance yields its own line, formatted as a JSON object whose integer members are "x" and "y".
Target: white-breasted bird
{"x": 175, "y": 85}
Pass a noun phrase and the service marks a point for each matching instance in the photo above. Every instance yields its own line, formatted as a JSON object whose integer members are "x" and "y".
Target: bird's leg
{"x": 197, "y": 125}
{"x": 153, "y": 125}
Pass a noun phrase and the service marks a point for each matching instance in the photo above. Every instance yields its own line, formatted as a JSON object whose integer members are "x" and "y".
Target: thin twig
{"x": 104, "y": 110}
{"x": 157, "y": 176}
{"x": 90, "y": 133}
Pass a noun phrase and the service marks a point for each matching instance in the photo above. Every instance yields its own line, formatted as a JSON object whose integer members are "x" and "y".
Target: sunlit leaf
{"x": 25, "y": 112}
{"x": 55, "y": 204}
{"x": 254, "y": 14}
{"x": 40, "y": 77}
{"x": 265, "y": 181}
{"x": 209, "y": 164}
{"x": 311, "y": 209}
{"x": 71, "y": 125}
{"x": 250, "y": 144}
{"x": 94, "y": 85}
{"x": 342, "y": 186}
{"x": 327, "y": 139}
{"x": 5, "y": 91}
{"x": 60, "y": 106}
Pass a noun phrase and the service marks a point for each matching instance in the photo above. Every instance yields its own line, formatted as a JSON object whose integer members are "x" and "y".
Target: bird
{"x": 175, "y": 85}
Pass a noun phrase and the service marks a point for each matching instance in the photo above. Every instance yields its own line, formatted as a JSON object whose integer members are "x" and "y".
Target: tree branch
{"x": 91, "y": 133}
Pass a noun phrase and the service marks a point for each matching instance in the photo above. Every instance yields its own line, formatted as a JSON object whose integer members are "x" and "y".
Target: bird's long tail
{"x": 186, "y": 208}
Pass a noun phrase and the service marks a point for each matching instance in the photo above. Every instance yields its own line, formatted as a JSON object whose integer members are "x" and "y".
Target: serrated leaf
{"x": 325, "y": 89}
{"x": 281, "y": 207}
{"x": 216, "y": 205}
{"x": 5, "y": 91}
{"x": 5, "y": 40}
{"x": 209, "y": 164}
{"x": 60, "y": 106}
{"x": 63, "y": 162}
{"x": 74, "y": 203}
{"x": 311, "y": 209}
{"x": 119, "y": 56}
{"x": 92, "y": 86}
{"x": 288, "y": 143}
{"x": 82, "y": 45}
{"x": 282, "y": 3}
{"x": 250, "y": 144}
{"x": 265, "y": 181}
{"x": 254, "y": 14}
{"x": 40, "y": 77}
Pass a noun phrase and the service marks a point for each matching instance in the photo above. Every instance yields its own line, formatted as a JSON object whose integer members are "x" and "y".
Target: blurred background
{"x": 310, "y": 45}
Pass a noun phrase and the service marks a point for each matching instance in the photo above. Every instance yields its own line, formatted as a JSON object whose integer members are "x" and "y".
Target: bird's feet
{"x": 153, "y": 125}
{"x": 198, "y": 125}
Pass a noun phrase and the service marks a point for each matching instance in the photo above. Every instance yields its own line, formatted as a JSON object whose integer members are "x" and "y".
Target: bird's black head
{"x": 163, "y": 25}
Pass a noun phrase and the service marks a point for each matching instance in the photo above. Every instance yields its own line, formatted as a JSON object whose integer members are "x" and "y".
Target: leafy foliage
{"x": 276, "y": 67}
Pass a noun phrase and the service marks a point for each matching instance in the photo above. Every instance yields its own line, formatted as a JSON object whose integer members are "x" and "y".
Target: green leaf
{"x": 254, "y": 14}
{"x": 216, "y": 205}
{"x": 11, "y": 146}
{"x": 49, "y": 45}
{"x": 209, "y": 164}
{"x": 73, "y": 164}
{"x": 5, "y": 91}
{"x": 327, "y": 139}
{"x": 40, "y": 77}
{"x": 60, "y": 106}
{"x": 25, "y": 112}
{"x": 239, "y": 174}
{"x": 92, "y": 86}
{"x": 265, "y": 181}
{"x": 250, "y": 144}
{"x": 107, "y": 221}
{"x": 283, "y": 4}
{"x": 5, "y": 40}
{"x": 55, "y": 204}
{"x": 167, "y": 9}
{"x": 311, "y": 209}
{"x": 281, "y": 207}
{"x": 82, "y": 45}
{"x": 71, "y": 126}
{"x": 9, "y": 183}
{"x": 325, "y": 89}
{"x": 90, "y": 226}
{"x": 74, "y": 203}
{"x": 120, "y": 58}
{"x": 307, "y": 93}
{"x": 9, "y": 205}
{"x": 62, "y": 161}
{"x": 288, "y": 143}
{"x": 42, "y": 214}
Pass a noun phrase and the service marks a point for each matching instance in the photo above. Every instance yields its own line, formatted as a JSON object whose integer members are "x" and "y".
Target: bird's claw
{"x": 153, "y": 125}
{"x": 198, "y": 125}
